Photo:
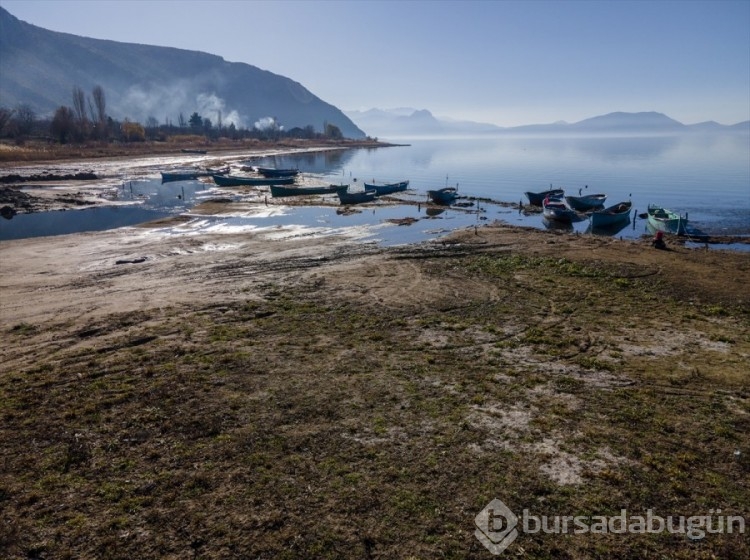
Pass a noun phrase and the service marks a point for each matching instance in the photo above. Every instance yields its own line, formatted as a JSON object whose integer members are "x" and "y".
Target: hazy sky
{"x": 502, "y": 62}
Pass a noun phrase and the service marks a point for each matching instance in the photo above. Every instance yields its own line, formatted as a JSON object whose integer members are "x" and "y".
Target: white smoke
{"x": 267, "y": 123}
{"x": 139, "y": 103}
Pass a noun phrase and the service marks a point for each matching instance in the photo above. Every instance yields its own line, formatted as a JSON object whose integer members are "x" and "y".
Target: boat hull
{"x": 230, "y": 181}
{"x": 443, "y": 196}
{"x": 612, "y": 216}
{"x": 536, "y": 198}
{"x": 586, "y": 203}
{"x": 387, "y": 188}
{"x": 346, "y": 197}
{"x": 281, "y": 190}
{"x": 661, "y": 219}
{"x": 273, "y": 172}
{"x": 558, "y": 211}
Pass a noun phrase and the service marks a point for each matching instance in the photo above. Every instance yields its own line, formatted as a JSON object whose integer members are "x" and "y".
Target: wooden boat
{"x": 358, "y": 197}
{"x": 445, "y": 196}
{"x": 667, "y": 221}
{"x": 617, "y": 214}
{"x": 189, "y": 151}
{"x": 586, "y": 202}
{"x": 237, "y": 181}
{"x": 280, "y": 190}
{"x": 387, "y": 188}
{"x": 536, "y": 198}
{"x": 182, "y": 175}
{"x": 273, "y": 172}
{"x": 557, "y": 210}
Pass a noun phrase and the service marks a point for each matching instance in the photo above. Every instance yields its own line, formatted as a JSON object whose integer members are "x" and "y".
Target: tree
{"x": 24, "y": 119}
{"x": 79, "y": 104}
{"x": 5, "y": 115}
{"x": 63, "y": 124}
{"x": 332, "y": 131}
{"x": 196, "y": 121}
{"x": 133, "y": 132}
{"x": 100, "y": 103}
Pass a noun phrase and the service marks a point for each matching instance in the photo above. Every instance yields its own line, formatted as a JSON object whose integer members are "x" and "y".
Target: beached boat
{"x": 190, "y": 151}
{"x": 273, "y": 172}
{"x": 667, "y": 221}
{"x": 387, "y": 188}
{"x": 237, "y": 181}
{"x": 557, "y": 210}
{"x": 357, "y": 197}
{"x": 182, "y": 175}
{"x": 280, "y": 190}
{"x": 586, "y": 202}
{"x": 446, "y": 195}
{"x": 536, "y": 198}
{"x": 617, "y": 214}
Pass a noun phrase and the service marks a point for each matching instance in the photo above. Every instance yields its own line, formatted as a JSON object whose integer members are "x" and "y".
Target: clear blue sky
{"x": 503, "y": 62}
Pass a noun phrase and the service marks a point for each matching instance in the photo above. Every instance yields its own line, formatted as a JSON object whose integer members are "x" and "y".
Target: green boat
{"x": 236, "y": 181}
{"x": 667, "y": 221}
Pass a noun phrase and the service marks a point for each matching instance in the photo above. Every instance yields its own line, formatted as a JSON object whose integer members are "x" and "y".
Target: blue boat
{"x": 238, "y": 181}
{"x": 536, "y": 198}
{"x": 612, "y": 216}
{"x": 443, "y": 196}
{"x": 387, "y": 188}
{"x": 274, "y": 172}
{"x": 281, "y": 190}
{"x": 358, "y": 197}
{"x": 557, "y": 210}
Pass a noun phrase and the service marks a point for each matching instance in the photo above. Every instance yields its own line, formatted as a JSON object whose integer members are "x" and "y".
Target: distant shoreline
{"x": 39, "y": 151}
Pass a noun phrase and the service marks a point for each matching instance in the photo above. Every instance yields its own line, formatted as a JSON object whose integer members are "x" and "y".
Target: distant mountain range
{"x": 40, "y": 68}
{"x": 414, "y": 122}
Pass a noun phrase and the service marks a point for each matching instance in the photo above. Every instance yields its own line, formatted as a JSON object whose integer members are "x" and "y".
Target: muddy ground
{"x": 267, "y": 395}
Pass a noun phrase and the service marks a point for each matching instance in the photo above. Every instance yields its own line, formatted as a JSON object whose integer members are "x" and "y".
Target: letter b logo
{"x": 496, "y": 526}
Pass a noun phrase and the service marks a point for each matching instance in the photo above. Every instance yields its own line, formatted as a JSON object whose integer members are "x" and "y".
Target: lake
{"x": 706, "y": 176}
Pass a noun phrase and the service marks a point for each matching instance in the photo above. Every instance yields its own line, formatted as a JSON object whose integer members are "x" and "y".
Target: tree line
{"x": 87, "y": 120}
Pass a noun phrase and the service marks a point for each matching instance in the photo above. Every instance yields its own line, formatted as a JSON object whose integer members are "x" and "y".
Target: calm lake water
{"x": 706, "y": 176}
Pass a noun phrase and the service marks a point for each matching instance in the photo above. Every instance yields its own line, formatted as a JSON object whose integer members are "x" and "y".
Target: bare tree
{"x": 79, "y": 104}
{"x": 24, "y": 119}
{"x": 101, "y": 103}
{"x": 5, "y": 115}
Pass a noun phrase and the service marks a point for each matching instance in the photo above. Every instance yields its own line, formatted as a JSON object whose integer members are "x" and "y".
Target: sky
{"x": 503, "y": 62}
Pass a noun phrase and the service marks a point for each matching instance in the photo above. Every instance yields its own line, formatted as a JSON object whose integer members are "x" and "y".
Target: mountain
{"x": 413, "y": 122}
{"x": 406, "y": 121}
{"x": 40, "y": 68}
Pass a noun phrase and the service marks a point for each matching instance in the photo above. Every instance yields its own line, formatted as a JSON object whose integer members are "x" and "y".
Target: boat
{"x": 273, "y": 172}
{"x": 536, "y": 198}
{"x": 556, "y": 209}
{"x": 190, "y": 151}
{"x": 357, "y": 197}
{"x": 237, "y": 181}
{"x": 387, "y": 188}
{"x": 445, "y": 196}
{"x": 182, "y": 175}
{"x": 667, "y": 221}
{"x": 586, "y": 202}
{"x": 280, "y": 190}
{"x": 617, "y": 214}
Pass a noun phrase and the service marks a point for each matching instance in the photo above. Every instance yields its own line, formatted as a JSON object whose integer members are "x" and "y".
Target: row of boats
{"x": 562, "y": 208}
{"x": 282, "y": 183}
